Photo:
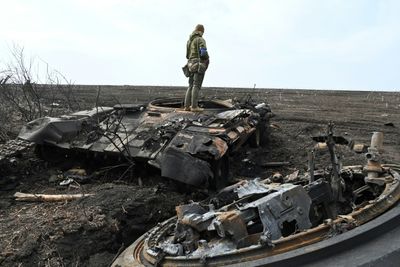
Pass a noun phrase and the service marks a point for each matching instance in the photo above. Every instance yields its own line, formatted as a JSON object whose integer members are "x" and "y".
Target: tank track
{"x": 13, "y": 147}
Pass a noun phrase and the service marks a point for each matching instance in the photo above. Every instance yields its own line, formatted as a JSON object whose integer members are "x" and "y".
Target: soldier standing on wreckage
{"x": 198, "y": 60}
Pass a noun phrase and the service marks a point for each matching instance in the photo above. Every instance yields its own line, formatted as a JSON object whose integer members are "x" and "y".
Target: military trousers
{"x": 192, "y": 93}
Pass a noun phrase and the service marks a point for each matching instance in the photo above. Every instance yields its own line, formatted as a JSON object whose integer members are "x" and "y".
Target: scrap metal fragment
{"x": 290, "y": 204}
{"x": 373, "y": 167}
{"x": 250, "y": 188}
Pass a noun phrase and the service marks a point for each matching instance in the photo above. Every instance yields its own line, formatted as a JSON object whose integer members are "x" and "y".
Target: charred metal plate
{"x": 185, "y": 168}
{"x": 289, "y": 204}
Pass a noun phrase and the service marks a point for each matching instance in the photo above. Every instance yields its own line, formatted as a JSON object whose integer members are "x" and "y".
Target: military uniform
{"x": 198, "y": 60}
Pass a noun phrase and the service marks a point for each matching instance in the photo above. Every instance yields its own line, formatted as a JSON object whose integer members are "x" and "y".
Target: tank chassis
{"x": 192, "y": 148}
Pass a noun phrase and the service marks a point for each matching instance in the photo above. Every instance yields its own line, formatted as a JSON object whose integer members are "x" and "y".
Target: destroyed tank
{"x": 337, "y": 216}
{"x": 189, "y": 147}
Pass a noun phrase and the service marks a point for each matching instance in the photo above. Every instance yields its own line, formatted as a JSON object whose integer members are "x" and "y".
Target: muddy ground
{"x": 91, "y": 231}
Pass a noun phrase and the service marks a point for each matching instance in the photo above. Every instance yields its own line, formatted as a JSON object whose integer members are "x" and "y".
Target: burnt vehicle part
{"x": 189, "y": 147}
{"x": 258, "y": 222}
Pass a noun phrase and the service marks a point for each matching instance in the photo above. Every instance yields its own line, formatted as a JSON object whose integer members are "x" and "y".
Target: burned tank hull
{"x": 186, "y": 146}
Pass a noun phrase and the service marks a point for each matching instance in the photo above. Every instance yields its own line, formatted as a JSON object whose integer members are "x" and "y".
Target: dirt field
{"x": 91, "y": 231}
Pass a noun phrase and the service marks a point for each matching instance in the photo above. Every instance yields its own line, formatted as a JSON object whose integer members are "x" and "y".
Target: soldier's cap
{"x": 199, "y": 28}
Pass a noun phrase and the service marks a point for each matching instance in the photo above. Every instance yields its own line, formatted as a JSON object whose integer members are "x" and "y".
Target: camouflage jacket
{"x": 195, "y": 42}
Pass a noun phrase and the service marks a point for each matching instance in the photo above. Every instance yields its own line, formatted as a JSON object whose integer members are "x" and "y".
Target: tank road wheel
{"x": 220, "y": 169}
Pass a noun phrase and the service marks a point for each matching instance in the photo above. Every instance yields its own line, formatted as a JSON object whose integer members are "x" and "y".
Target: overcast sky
{"x": 332, "y": 44}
